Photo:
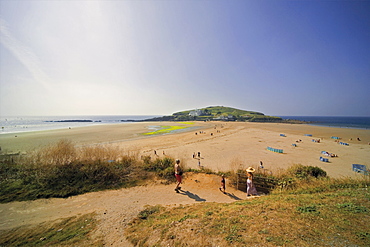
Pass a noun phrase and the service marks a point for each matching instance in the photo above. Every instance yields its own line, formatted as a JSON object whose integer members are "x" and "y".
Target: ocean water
{"x": 337, "y": 122}
{"x": 27, "y": 123}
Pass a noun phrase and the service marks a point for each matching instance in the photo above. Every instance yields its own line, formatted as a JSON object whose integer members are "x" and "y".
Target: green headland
{"x": 218, "y": 113}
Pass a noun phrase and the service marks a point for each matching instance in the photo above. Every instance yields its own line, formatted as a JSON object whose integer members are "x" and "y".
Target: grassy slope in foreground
{"x": 72, "y": 231}
{"x": 337, "y": 217}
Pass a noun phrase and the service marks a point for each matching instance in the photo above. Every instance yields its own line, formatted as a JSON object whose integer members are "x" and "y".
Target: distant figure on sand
{"x": 178, "y": 175}
{"x": 223, "y": 184}
{"x": 251, "y": 189}
{"x": 261, "y": 164}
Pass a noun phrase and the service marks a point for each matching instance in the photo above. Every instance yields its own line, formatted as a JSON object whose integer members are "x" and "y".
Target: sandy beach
{"x": 222, "y": 145}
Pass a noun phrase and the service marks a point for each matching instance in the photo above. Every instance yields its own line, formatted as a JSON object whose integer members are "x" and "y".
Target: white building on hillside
{"x": 196, "y": 113}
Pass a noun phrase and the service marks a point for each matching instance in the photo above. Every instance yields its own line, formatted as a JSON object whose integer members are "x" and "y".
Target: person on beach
{"x": 178, "y": 175}
{"x": 251, "y": 189}
{"x": 261, "y": 164}
{"x": 223, "y": 184}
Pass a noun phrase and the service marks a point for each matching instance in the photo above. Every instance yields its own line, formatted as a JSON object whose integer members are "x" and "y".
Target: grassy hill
{"x": 220, "y": 113}
{"x": 317, "y": 212}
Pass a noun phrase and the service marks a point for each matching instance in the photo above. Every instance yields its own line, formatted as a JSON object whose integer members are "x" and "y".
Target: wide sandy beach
{"x": 222, "y": 145}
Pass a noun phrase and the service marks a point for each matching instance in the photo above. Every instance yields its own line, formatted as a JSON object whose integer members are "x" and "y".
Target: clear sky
{"x": 160, "y": 57}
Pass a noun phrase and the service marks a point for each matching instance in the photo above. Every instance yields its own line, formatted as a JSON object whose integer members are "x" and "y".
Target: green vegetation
{"x": 73, "y": 231}
{"x": 166, "y": 129}
{"x": 63, "y": 170}
{"x": 163, "y": 168}
{"x": 293, "y": 216}
{"x": 218, "y": 113}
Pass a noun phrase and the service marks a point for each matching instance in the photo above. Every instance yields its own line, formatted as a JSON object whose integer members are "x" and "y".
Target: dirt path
{"x": 116, "y": 208}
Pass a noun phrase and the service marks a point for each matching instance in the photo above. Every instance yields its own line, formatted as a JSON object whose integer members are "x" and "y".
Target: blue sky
{"x": 159, "y": 57}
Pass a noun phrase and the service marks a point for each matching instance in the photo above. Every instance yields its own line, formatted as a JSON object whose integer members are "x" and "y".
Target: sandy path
{"x": 116, "y": 208}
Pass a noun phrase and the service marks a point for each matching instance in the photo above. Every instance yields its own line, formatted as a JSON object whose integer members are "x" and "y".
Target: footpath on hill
{"x": 116, "y": 208}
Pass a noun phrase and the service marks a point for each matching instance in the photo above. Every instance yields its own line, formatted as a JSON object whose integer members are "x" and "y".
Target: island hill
{"x": 218, "y": 113}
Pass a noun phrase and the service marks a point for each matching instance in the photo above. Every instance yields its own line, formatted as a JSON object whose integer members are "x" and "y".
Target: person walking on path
{"x": 251, "y": 189}
{"x": 223, "y": 184}
{"x": 178, "y": 175}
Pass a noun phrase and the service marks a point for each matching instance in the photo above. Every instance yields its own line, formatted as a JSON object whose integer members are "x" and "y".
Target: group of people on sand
{"x": 155, "y": 153}
{"x": 330, "y": 154}
{"x": 196, "y": 155}
{"x": 251, "y": 188}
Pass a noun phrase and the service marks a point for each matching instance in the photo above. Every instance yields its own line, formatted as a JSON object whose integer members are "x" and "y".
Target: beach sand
{"x": 231, "y": 145}
{"x": 223, "y": 145}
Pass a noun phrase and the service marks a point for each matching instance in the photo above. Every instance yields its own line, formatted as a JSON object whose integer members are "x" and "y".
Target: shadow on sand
{"x": 192, "y": 196}
{"x": 233, "y": 196}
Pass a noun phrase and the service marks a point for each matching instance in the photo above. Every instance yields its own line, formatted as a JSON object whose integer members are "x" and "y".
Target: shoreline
{"x": 339, "y": 127}
{"x": 223, "y": 145}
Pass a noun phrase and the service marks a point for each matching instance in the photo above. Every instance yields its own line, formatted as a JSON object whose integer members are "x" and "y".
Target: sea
{"x": 38, "y": 123}
{"x": 336, "y": 122}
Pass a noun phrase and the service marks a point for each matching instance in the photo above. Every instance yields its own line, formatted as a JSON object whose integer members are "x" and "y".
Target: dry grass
{"x": 321, "y": 212}
{"x": 332, "y": 219}
{"x": 73, "y": 231}
{"x": 63, "y": 170}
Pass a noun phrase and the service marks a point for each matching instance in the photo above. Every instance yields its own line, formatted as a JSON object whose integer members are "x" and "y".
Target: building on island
{"x": 196, "y": 113}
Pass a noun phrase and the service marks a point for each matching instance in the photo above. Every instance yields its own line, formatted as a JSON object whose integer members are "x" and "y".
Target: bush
{"x": 163, "y": 168}
{"x": 305, "y": 172}
{"x": 62, "y": 170}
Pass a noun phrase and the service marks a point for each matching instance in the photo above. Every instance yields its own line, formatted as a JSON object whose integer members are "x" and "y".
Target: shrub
{"x": 304, "y": 172}
{"x": 62, "y": 170}
{"x": 164, "y": 168}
